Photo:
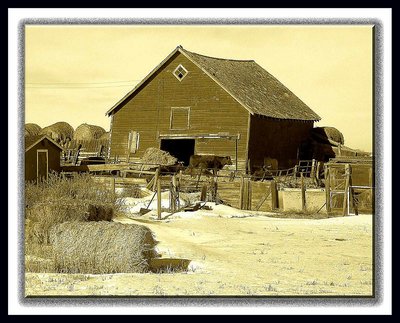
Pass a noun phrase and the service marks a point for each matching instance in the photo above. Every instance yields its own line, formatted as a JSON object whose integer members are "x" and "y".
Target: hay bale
{"x": 61, "y": 132}
{"x": 105, "y": 136}
{"x": 32, "y": 129}
{"x": 327, "y": 134}
{"x": 43, "y": 217}
{"x": 102, "y": 247}
{"x": 157, "y": 156}
{"x": 88, "y": 132}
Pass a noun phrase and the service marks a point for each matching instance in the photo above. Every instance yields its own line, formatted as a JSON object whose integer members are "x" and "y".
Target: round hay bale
{"x": 32, "y": 129}
{"x": 88, "y": 132}
{"x": 102, "y": 247}
{"x": 328, "y": 133}
{"x": 157, "y": 156}
{"x": 61, "y": 132}
{"x": 105, "y": 136}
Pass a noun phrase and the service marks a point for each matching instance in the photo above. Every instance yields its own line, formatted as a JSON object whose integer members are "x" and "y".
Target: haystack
{"x": 157, "y": 156}
{"x": 32, "y": 129}
{"x": 42, "y": 217}
{"x": 102, "y": 247}
{"x": 88, "y": 132}
{"x": 105, "y": 136}
{"x": 328, "y": 135}
{"x": 61, "y": 132}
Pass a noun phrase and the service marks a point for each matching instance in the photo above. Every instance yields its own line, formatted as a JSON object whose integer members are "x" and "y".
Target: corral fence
{"x": 76, "y": 150}
{"x": 341, "y": 186}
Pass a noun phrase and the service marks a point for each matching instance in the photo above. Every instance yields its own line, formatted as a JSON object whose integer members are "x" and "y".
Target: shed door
{"x": 42, "y": 164}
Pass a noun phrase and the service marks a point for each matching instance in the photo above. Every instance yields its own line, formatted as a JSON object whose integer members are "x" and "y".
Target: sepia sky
{"x": 76, "y": 73}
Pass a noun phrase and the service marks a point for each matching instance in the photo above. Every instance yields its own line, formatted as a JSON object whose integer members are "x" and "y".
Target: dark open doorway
{"x": 179, "y": 148}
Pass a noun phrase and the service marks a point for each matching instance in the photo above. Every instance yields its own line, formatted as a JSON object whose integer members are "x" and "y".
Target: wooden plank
{"x": 107, "y": 167}
{"x": 137, "y": 171}
{"x": 264, "y": 198}
{"x": 151, "y": 183}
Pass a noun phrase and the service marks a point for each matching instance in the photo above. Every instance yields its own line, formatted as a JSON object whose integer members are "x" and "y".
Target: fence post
{"x": 274, "y": 195}
{"x": 312, "y": 172}
{"x": 203, "y": 196}
{"x": 158, "y": 198}
{"x": 327, "y": 189}
{"x": 346, "y": 188}
{"x": 174, "y": 193}
{"x": 241, "y": 192}
{"x": 113, "y": 184}
{"x": 249, "y": 194}
{"x": 156, "y": 175}
{"x": 317, "y": 171}
{"x": 353, "y": 203}
{"x": 303, "y": 193}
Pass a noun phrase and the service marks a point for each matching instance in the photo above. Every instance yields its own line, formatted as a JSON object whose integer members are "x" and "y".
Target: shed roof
{"x": 248, "y": 83}
{"x": 31, "y": 141}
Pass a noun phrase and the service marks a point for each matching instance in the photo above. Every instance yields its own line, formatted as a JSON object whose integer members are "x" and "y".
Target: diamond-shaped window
{"x": 180, "y": 72}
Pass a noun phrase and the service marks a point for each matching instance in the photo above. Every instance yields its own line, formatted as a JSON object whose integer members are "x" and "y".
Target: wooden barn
{"x": 42, "y": 155}
{"x": 196, "y": 104}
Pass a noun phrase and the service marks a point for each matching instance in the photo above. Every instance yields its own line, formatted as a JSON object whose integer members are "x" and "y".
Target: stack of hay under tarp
{"x": 328, "y": 135}
{"x": 157, "y": 156}
{"x": 61, "y": 132}
{"x": 102, "y": 247}
{"x": 88, "y": 132}
{"x": 32, "y": 129}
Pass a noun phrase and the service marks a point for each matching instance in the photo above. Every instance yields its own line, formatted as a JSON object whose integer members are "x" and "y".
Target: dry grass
{"x": 56, "y": 201}
{"x": 60, "y": 199}
{"x": 102, "y": 247}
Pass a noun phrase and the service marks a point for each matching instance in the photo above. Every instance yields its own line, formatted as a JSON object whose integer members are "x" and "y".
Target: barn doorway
{"x": 179, "y": 148}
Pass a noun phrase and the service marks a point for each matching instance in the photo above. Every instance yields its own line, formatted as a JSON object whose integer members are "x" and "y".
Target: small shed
{"x": 42, "y": 154}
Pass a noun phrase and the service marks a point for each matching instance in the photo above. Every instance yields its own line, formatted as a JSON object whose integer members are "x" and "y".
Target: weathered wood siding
{"x": 212, "y": 110}
{"x": 276, "y": 138}
{"x": 54, "y": 155}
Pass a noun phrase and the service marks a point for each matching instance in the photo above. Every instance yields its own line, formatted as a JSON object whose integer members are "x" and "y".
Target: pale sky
{"x": 76, "y": 73}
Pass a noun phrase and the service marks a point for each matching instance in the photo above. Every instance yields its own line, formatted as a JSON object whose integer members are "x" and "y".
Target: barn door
{"x": 133, "y": 142}
{"x": 42, "y": 164}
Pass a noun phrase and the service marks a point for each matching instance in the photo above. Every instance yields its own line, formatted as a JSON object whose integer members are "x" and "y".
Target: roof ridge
{"x": 219, "y": 58}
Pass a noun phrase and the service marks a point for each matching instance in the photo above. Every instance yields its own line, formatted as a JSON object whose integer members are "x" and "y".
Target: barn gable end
{"x": 159, "y": 106}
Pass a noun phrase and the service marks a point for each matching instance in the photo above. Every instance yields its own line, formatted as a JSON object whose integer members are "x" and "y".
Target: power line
{"x": 75, "y": 87}
{"x": 66, "y": 83}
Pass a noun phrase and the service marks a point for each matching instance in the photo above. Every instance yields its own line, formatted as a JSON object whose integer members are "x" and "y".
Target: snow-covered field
{"x": 235, "y": 252}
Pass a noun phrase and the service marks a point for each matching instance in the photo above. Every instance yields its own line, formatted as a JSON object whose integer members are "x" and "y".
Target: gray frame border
{"x": 93, "y": 301}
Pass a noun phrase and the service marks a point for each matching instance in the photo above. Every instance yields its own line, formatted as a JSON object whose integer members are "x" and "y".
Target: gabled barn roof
{"x": 248, "y": 83}
{"x": 31, "y": 141}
